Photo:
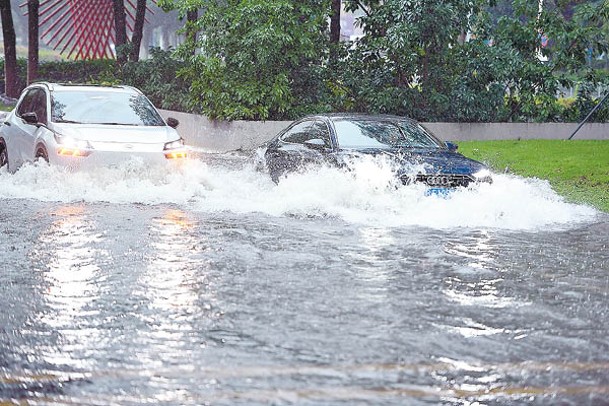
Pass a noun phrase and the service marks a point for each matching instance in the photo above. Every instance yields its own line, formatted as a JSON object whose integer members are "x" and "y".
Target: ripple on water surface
{"x": 208, "y": 284}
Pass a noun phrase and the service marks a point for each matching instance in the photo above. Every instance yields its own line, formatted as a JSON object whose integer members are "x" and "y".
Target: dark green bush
{"x": 63, "y": 71}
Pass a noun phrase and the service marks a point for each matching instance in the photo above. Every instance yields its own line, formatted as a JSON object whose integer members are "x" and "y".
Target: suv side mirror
{"x": 173, "y": 122}
{"x": 30, "y": 118}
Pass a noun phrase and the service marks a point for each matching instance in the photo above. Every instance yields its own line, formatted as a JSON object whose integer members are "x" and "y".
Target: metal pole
{"x": 589, "y": 115}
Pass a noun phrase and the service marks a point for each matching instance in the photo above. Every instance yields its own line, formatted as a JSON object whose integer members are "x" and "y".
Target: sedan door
{"x": 286, "y": 153}
{"x": 317, "y": 145}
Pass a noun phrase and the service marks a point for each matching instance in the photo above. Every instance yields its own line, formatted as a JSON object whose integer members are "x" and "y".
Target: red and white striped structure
{"x": 82, "y": 29}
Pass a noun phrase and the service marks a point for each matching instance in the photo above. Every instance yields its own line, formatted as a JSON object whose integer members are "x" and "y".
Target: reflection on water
{"x": 170, "y": 275}
{"x": 178, "y": 291}
{"x": 133, "y": 304}
{"x": 69, "y": 251}
{"x": 371, "y": 254}
{"x": 478, "y": 276}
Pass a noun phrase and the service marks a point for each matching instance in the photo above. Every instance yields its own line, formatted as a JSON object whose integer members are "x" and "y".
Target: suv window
{"x": 26, "y": 103}
{"x": 34, "y": 101}
{"x": 39, "y": 105}
{"x": 298, "y": 134}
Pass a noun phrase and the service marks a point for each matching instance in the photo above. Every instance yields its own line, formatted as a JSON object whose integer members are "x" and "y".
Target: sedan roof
{"x": 360, "y": 116}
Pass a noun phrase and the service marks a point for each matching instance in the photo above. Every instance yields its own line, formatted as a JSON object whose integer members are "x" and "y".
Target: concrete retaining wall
{"x": 220, "y": 136}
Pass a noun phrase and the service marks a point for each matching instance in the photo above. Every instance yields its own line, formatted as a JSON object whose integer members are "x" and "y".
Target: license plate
{"x": 438, "y": 191}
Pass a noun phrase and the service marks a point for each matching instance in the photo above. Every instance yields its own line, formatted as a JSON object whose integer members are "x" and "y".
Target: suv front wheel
{"x": 41, "y": 153}
{"x": 3, "y": 155}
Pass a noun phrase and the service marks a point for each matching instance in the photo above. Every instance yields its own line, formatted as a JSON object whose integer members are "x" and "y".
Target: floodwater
{"x": 209, "y": 284}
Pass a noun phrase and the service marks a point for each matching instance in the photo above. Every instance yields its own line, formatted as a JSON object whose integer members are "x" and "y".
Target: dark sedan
{"x": 337, "y": 139}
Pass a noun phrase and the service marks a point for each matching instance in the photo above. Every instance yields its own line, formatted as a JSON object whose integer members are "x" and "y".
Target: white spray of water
{"x": 368, "y": 194}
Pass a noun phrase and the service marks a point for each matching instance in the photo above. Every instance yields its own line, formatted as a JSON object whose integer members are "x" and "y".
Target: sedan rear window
{"x": 103, "y": 107}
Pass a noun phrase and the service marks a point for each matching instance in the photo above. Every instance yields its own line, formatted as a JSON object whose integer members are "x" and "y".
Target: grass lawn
{"x": 577, "y": 169}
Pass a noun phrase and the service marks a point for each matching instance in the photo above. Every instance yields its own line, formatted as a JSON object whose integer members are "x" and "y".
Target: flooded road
{"x": 208, "y": 284}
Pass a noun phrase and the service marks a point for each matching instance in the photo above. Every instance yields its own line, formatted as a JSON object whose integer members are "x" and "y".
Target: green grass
{"x": 576, "y": 169}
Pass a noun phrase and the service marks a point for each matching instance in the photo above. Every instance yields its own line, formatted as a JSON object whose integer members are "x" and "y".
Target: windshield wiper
{"x": 67, "y": 121}
{"x": 117, "y": 124}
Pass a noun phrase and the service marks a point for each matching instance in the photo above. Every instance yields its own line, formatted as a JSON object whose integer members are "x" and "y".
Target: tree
{"x": 138, "y": 30}
{"x": 191, "y": 13}
{"x": 259, "y": 59}
{"x": 405, "y": 62}
{"x": 120, "y": 26}
{"x": 454, "y": 60}
{"x": 11, "y": 83}
{"x": 192, "y": 16}
{"x": 33, "y": 44}
{"x": 334, "y": 30}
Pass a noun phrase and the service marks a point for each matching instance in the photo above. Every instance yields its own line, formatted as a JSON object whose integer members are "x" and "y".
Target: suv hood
{"x": 118, "y": 133}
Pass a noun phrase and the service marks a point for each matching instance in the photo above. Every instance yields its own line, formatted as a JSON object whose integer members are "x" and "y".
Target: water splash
{"x": 367, "y": 194}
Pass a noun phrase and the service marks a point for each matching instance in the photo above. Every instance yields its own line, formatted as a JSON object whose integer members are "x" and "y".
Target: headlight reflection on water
{"x": 177, "y": 289}
{"x": 475, "y": 283}
{"x": 71, "y": 276}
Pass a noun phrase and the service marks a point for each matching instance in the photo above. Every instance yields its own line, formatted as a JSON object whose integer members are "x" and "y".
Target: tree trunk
{"x": 120, "y": 26}
{"x": 33, "y": 44}
{"x": 334, "y": 31}
{"x": 191, "y": 33}
{"x": 11, "y": 81}
{"x": 138, "y": 30}
{"x": 335, "y": 22}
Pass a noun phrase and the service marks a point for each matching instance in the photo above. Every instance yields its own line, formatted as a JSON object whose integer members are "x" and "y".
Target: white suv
{"x": 79, "y": 126}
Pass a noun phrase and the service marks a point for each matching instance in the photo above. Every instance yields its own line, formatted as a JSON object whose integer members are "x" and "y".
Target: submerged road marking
{"x": 274, "y": 370}
{"x": 444, "y": 390}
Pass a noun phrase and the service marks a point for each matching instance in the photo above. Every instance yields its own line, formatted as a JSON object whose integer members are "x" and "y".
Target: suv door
{"x": 19, "y": 130}
{"x": 33, "y": 131}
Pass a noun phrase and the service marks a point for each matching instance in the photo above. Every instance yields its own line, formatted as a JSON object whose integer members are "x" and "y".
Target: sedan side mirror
{"x": 30, "y": 118}
{"x": 315, "y": 143}
{"x": 452, "y": 147}
{"x": 173, "y": 122}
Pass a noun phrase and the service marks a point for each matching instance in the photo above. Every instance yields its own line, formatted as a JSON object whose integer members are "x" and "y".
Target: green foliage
{"x": 258, "y": 59}
{"x": 405, "y": 63}
{"x": 433, "y": 60}
{"x": 414, "y": 60}
{"x": 157, "y": 76}
{"x": 63, "y": 71}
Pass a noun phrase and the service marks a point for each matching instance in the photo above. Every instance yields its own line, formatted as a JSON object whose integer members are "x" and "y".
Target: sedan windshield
{"x": 85, "y": 106}
{"x": 366, "y": 133}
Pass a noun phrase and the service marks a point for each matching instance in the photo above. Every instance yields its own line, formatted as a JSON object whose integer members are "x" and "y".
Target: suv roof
{"x": 52, "y": 86}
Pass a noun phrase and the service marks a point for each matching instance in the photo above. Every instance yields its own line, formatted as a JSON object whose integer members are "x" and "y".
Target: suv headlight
{"x": 174, "y": 144}
{"x": 175, "y": 149}
{"x": 70, "y": 146}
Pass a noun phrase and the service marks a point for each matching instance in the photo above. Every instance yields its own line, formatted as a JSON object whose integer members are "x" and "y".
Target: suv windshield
{"x": 365, "y": 133}
{"x": 90, "y": 106}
